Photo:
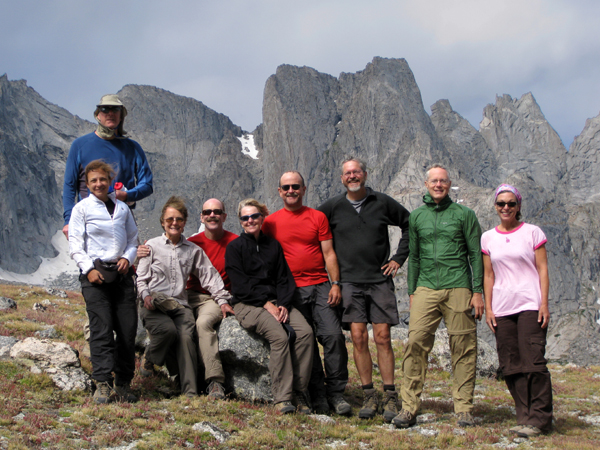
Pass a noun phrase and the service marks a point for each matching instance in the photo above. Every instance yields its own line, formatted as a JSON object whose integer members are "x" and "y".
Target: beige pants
{"x": 290, "y": 368}
{"x": 428, "y": 308}
{"x": 207, "y": 314}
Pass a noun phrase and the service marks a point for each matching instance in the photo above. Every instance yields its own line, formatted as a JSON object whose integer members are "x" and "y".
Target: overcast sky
{"x": 221, "y": 52}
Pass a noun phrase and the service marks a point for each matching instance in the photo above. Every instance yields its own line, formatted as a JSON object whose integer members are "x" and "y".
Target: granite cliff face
{"x": 311, "y": 122}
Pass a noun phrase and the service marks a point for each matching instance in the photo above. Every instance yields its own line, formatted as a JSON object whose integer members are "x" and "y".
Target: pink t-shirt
{"x": 516, "y": 279}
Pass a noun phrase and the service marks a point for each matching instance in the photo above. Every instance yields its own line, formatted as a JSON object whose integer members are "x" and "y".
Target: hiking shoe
{"x": 125, "y": 394}
{"x": 370, "y": 404}
{"x": 103, "y": 392}
{"x": 465, "y": 419}
{"x": 405, "y": 419}
{"x": 529, "y": 431}
{"x": 320, "y": 405}
{"x": 285, "y": 407}
{"x": 516, "y": 429}
{"x": 390, "y": 406}
{"x": 339, "y": 405}
{"x": 300, "y": 399}
{"x": 147, "y": 368}
{"x": 216, "y": 390}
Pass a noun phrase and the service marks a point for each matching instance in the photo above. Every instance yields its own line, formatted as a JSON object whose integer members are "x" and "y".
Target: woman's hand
{"x": 283, "y": 314}
{"x": 143, "y": 251}
{"x": 148, "y": 302}
{"x": 490, "y": 319}
{"x": 122, "y": 265}
{"x": 544, "y": 315}
{"x": 95, "y": 277}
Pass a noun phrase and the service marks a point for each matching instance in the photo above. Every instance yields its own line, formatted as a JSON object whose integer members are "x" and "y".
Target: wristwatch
{"x": 337, "y": 283}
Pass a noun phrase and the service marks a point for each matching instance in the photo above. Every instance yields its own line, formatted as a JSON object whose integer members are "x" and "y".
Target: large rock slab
{"x": 57, "y": 359}
{"x": 245, "y": 358}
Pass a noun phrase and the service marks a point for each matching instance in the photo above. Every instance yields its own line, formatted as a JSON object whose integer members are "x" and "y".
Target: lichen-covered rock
{"x": 6, "y": 343}
{"x": 7, "y": 303}
{"x": 57, "y": 354}
{"x": 245, "y": 359}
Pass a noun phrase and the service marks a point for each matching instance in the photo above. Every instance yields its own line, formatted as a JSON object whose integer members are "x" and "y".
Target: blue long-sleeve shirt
{"x": 125, "y": 155}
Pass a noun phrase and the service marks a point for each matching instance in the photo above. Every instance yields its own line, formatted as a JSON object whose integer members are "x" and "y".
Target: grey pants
{"x": 173, "y": 333}
{"x": 289, "y": 367}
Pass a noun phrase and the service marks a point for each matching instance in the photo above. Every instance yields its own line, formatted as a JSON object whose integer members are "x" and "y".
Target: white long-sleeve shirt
{"x": 169, "y": 266}
{"x": 93, "y": 233}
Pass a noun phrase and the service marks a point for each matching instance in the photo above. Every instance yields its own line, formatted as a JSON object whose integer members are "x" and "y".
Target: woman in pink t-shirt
{"x": 516, "y": 287}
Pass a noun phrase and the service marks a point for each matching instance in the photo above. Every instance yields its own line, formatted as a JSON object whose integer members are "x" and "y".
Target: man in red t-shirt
{"x": 213, "y": 241}
{"x": 307, "y": 243}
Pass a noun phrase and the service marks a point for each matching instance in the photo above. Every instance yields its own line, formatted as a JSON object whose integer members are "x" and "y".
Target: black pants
{"x": 112, "y": 308}
{"x": 521, "y": 344}
{"x": 311, "y": 301}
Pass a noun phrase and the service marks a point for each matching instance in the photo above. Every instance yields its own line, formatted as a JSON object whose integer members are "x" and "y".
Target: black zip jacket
{"x": 361, "y": 241}
{"x": 258, "y": 271}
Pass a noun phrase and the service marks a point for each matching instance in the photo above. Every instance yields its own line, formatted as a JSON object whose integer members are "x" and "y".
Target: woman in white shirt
{"x": 103, "y": 241}
{"x": 516, "y": 309}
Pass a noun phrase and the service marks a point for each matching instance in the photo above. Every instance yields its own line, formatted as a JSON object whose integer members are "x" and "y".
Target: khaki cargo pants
{"x": 428, "y": 308}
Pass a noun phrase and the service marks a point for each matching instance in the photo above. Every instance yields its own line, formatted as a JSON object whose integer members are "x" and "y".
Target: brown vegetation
{"x": 35, "y": 414}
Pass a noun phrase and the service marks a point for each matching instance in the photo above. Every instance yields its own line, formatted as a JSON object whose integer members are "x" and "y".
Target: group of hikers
{"x": 298, "y": 277}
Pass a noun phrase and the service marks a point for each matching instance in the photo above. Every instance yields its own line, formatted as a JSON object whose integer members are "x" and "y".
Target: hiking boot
{"x": 320, "y": 405}
{"x": 103, "y": 392}
{"x": 465, "y": 419}
{"x": 147, "y": 368}
{"x": 300, "y": 399}
{"x": 529, "y": 431}
{"x": 370, "y": 404}
{"x": 125, "y": 394}
{"x": 516, "y": 429}
{"x": 339, "y": 405}
{"x": 390, "y": 406}
{"x": 285, "y": 407}
{"x": 405, "y": 419}
{"x": 216, "y": 390}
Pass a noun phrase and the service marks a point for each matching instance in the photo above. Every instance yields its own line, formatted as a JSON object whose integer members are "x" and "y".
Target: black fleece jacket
{"x": 258, "y": 271}
{"x": 361, "y": 241}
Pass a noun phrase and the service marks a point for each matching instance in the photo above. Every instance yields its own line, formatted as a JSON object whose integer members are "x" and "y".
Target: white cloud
{"x": 222, "y": 52}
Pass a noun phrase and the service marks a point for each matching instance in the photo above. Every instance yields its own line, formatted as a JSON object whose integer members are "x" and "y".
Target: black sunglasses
{"x": 207, "y": 212}
{"x": 286, "y": 187}
{"x": 106, "y": 109}
{"x": 251, "y": 216}
{"x": 503, "y": 204}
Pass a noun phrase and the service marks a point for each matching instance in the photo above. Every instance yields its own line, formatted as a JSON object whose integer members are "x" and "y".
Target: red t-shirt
{"x": 300, "y": 234}
{"x": 215, "y": 250}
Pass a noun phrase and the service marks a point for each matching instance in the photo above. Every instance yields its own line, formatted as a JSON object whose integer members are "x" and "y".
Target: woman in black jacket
{"x": 263, "y": 287}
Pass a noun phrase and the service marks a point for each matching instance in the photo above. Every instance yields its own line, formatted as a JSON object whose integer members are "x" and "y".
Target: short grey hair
{"x": 435, "y": 166}
{"x": 292, "y": 171}
{"x": 360, "y": 162}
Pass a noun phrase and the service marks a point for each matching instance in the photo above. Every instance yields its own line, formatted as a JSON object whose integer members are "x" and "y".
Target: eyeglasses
{"x": 208, "y": 212}
{"x": 286, "y": 187}
{"x": 442, "y": 181}
{"x": 503, "y": 204}
{"x": 353, "y": 172}
{"x": 251, "y": 216}
{"x": 169, "y": 220}
{"x": 107, "y": 109}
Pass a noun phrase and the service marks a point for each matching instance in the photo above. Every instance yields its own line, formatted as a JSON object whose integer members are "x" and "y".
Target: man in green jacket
{"x": 445, "y": 275}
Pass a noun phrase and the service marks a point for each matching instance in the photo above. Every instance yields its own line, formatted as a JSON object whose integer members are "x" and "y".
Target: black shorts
{"x": 370, "y": 303}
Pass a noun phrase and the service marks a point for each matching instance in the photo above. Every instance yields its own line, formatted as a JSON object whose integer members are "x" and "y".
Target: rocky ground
{"x": 44, "y": 406}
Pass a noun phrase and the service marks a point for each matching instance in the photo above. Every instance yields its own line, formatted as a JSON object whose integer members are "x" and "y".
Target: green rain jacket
{"x": 445, "y": 247}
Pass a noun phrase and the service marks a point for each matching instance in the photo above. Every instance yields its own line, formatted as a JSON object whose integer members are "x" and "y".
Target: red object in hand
{"x": 118, "y": 186}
